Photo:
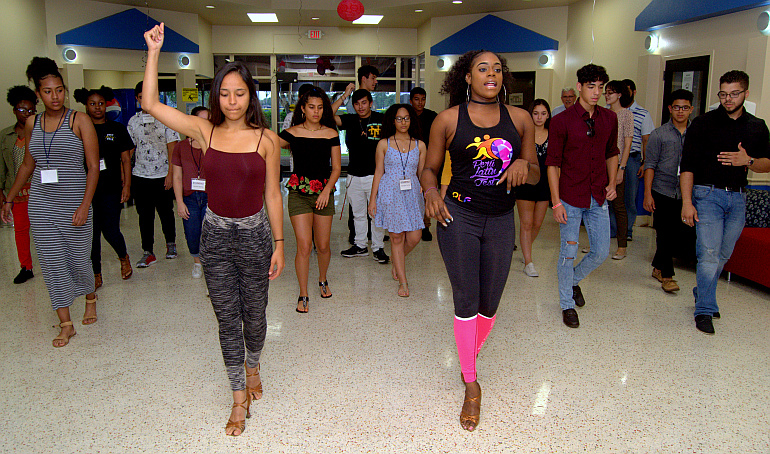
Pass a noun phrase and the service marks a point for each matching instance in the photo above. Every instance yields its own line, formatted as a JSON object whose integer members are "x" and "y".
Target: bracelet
{"x": 280, "y": 239}
{"x": 8, "y": 202}
{"x": 428, "y": 190}
{"x": 556, "y": 206}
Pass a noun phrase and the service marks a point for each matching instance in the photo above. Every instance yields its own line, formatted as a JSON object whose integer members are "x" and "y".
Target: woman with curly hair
{"x": 315, "y": 147}
{"x": 396, "y": 203}
{"x": 114, "y": 185}
{"x": 58, "y": 141}
{"x": 492, "y": 149}
{"x": 12, "y": 147}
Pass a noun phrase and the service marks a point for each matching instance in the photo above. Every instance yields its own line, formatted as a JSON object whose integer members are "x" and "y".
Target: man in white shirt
{"x": 151, "y": 180}
{"x": 568, "y": 97}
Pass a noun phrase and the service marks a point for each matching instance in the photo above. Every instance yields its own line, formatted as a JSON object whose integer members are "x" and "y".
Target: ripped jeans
{"x": 597, "y": 221}
{"x": 721, "y": 216}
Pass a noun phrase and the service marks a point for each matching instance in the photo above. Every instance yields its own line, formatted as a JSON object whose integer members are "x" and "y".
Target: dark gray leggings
{"x": 477, "y": 252}
{"x": 235, "y": 254}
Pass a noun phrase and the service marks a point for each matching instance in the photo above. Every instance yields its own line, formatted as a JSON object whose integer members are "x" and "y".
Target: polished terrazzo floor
{"x": 367, "y": 371}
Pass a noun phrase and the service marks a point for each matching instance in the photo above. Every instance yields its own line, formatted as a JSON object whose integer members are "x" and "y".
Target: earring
{"x": 505, "y": 95}
{"x": 468, "y": 98}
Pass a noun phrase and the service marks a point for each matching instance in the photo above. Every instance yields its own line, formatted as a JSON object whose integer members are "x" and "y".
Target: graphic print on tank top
{"x": 493, "y": 157}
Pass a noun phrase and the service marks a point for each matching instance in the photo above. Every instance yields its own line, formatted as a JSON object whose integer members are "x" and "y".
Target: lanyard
{"x": 198, "y": 161}
{"x": 50, "y": 145}
{"x": 400, "y": 157}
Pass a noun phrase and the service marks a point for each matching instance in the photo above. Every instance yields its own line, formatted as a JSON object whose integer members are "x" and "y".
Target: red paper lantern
{"x": 350, "y": 10}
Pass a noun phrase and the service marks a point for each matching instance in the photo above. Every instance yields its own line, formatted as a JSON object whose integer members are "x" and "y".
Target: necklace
{"x": 312, "y": 130}
{"x": 484, "y": 102}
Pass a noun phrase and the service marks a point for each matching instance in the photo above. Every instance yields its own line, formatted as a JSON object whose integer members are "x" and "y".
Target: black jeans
{"x": 106, "y": 208}
{"x": 150, "y": 195}
{"x": 672, "y": 236}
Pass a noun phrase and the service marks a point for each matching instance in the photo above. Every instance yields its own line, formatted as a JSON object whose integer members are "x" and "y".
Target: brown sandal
{"x": 125, "y": 267}
{"x": 255, "y": 392}
{"x": 240, "y": 424}
{"x": 91, "y": 319}
{"x": 472, "y": 421}
{"x": 62, "y": 337}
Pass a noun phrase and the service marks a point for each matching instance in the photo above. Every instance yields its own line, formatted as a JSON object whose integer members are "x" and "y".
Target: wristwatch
{"x": 621, "y": 167}
{"x": 751, "y": 161}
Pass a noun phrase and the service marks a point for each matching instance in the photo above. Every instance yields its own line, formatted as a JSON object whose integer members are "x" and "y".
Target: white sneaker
{"x": 530, "y": 270}
{"x": 197, "y": 270}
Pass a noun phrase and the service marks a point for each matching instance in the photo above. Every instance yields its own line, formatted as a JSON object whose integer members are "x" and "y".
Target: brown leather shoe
{"x": 97, "y": 281}
{"x": 669, "y": 285}
{"x": 657, "y": 274}
{"x": 125, "y": 267}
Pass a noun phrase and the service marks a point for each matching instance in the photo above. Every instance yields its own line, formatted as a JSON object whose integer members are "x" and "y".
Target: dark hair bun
{"x": 81, "y": 95}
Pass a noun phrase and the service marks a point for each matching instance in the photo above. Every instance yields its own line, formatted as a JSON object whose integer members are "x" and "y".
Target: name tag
{"x": 49, "y": 176}
{"x": 198, "y": 184}
{"x": 147, "y": 119}
{"x": 102, "y": 165}
{"x": 406, "y": 185}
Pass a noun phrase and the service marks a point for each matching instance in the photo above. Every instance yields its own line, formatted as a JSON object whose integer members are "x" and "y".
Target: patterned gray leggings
{"x": 235, "y": 254}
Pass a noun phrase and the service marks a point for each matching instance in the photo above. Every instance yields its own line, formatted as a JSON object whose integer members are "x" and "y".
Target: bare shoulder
{"x": 270, "y": 135}
{"x": 330, "y": 133}
{"x": 517, "y": 113}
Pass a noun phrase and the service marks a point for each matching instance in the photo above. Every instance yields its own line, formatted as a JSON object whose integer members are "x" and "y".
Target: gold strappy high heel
{"x": 471, "y": 421}
{"x": 240, "y": 424}
{"x": 256, "y": 392}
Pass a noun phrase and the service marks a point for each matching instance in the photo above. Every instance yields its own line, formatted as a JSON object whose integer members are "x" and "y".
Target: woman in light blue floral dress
{"x": 396, "y": 201}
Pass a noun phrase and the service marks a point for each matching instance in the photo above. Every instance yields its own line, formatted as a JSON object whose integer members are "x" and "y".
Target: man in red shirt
{"x": 582, "y": 160}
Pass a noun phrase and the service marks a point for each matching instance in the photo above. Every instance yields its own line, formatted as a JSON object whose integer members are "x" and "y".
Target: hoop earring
{"x": 505, "y": 95}
{"x": 468, "y": 98}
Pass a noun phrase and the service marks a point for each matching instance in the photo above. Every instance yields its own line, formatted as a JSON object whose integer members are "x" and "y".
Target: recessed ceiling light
{"x": 368, "y": 19}
{"x": 418, "y": 11}
{"x": 210, "y": 6}
{"x": 315, "y": 18}
{"x": 263, "y": 17}
{"x": 457, "y": 2}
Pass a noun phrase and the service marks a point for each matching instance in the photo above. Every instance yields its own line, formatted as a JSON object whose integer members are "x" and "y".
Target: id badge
{"x": 147, "y": 119}
{"x": 49, "y": 176}
{"x": 406, "y": 185}
{"x": 198, "y": 184}
{"x": 102, "y": 165}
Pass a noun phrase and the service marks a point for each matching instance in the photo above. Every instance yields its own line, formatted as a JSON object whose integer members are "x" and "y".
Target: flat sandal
{"x": 325, "y": 288}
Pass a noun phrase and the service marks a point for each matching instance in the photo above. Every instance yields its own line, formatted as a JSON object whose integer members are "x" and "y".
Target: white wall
{"x": 23, "y": 34}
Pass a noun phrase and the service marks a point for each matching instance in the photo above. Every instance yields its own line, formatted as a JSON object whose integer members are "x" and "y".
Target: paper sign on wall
{"x": 687, "y": 78}
{"x": 190, "y": 95}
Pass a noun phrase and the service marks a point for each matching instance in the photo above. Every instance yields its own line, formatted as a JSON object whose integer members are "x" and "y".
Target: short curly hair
{"x": 21, "y": 93}
{"x": 82, "y": 94}
{"x": 457, "y": 88}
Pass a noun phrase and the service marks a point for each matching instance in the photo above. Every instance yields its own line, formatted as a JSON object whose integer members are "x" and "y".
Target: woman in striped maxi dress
{"x": 58, "y": 143}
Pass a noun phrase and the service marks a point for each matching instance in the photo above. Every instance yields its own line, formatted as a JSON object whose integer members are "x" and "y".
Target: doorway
{"x": 522, "y": 90}
{"x": 690, "y": 74}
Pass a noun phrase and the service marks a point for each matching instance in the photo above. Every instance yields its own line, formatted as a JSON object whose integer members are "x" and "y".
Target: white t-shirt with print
{"x": 150, "y": 137}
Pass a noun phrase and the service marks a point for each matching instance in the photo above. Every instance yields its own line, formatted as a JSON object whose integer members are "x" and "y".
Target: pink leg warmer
{"x": 465, "y": 337}
{"x": 483, "y": 327}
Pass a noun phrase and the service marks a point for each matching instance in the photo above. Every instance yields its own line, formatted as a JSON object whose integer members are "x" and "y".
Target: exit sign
{"x": 314, "y": 34}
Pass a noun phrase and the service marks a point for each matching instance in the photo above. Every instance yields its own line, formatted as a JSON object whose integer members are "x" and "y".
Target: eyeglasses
{"x": 591, "y": 131}
{"x": 23, "y": 111}
{"x": 723, "y": 95}
{"x": 684, "y": 108}
{"x": 403, "y": 119}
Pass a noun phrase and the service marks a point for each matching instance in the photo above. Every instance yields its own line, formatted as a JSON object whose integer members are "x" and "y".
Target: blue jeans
{"x": 632, "y": 188}
{"x": 721, "y": 216}
{"x": 196, "y": 204}
{"x": 597, "y": 221}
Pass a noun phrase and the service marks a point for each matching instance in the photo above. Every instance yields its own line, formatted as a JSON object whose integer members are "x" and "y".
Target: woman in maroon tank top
{"x": 500, "y": 154}
{"x": 236, "y": 251}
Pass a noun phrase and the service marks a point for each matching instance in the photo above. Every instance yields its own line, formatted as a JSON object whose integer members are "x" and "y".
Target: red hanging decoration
{"x": 350, "y": 10}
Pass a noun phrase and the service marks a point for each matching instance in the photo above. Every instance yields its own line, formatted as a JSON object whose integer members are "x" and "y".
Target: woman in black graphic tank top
{"x": 492, "y": 149}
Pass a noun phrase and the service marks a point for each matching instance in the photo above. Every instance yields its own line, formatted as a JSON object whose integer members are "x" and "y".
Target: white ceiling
{"x": 398, "y": 13}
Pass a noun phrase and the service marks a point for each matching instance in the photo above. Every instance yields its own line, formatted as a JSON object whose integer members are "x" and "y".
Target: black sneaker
{"x": 355, "y": 251}
{"x": 381, "y": 256}
{"x": 426, "y": 235}
{"x": 23, "y": 276}
{"x": 703, "y": 323}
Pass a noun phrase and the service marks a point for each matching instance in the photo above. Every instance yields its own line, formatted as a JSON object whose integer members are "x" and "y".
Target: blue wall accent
{"x": 494, "y": 34}
{"x": 665, "y": 13}
{"x": 124, "y": 30}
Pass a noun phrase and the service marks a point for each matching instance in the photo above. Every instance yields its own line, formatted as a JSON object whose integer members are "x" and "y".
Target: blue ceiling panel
{"x": 665, "y": 13}
{"x": 494, "y": 34}
{"x": 124, "y": 30}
